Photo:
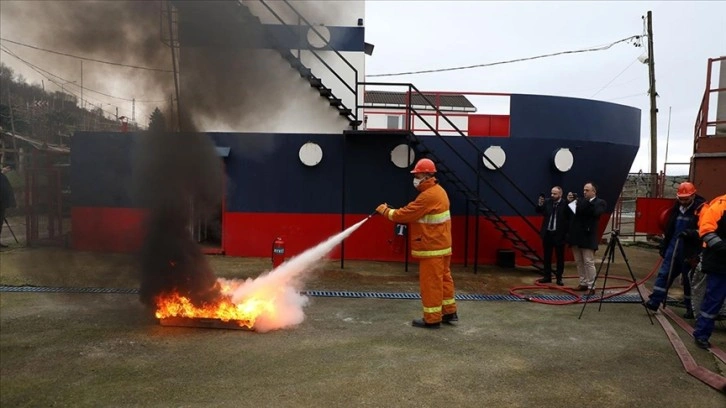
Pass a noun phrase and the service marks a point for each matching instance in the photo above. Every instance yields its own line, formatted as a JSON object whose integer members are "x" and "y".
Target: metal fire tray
{"x": 203, "y": 323}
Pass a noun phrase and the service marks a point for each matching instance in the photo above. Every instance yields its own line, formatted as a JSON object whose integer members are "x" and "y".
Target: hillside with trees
{"x": 48, "y": 117}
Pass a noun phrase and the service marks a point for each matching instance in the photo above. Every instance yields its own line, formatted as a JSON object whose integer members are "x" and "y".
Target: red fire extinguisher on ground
{"x": 278, "y": 252}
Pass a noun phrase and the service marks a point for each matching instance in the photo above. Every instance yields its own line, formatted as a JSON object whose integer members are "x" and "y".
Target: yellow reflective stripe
{"x": 448, "y": 302}
{"x": 435, "y": 218}
{"x": 432, "y": 309}
{"x": 437, "y": 252}
{"x": 389, "y": 214}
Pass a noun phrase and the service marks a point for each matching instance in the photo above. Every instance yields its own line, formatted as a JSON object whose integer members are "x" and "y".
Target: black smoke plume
{"x": 226, "y": 83}
{"x": 178, "y": 179}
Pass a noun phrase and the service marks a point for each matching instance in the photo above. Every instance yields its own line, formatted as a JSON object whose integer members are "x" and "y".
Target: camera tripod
{"x": 610, "y": 255}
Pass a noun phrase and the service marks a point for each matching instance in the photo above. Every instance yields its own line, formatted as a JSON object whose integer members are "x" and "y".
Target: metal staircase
{"x": 253, "y": 24}
{"x": 351, "y": 114}
{"x": 509, "y": 233}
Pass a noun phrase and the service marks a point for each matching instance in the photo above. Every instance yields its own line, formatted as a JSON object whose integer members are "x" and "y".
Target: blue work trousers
{"x": 662, "y": 283}
{"x": 711, "y": 306}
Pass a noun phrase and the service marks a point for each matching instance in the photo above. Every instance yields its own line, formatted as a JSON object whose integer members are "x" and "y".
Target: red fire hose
{"x": 578, "y": 297}
{"x": 703, "y": 374}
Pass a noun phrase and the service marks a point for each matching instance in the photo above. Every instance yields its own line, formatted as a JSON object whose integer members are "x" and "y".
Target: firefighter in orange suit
{"x": 430, "y": 231}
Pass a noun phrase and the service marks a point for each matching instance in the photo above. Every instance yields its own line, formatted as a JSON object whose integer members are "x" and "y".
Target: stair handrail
{"x": 509, "y": 180}
{"x": 353, "y": 90}
{"x": 479, "y": 176}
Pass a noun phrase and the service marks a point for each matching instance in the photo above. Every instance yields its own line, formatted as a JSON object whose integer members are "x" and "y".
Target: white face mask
{"x": 416, "y": 182}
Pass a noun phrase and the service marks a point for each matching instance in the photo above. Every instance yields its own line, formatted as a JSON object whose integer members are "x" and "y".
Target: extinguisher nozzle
{"x": 372, "y": 214}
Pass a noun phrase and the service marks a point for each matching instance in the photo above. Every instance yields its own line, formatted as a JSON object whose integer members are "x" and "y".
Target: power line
{"x": 46, "y": 74}
{"x": 428, "y": 71}
{"x": 68, "y": 82}
{"x": 616, "y": 77}
{"x": 85, "y": 58}
{"x": 628, "y": 96}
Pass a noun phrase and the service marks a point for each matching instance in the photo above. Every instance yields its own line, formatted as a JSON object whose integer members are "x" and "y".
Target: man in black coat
{"x": 553, "y": 230}
{"x": 583, "y": 236}
{"x": 7, "y": 197}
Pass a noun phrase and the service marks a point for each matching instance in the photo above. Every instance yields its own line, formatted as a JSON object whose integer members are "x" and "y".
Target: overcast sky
{"x": 410, "y": 36}
{"x": 419, "y": 35}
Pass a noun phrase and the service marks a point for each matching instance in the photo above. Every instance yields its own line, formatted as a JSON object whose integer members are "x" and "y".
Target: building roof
{"x": 447, "y": 102}
{"x": 37, "y": 144}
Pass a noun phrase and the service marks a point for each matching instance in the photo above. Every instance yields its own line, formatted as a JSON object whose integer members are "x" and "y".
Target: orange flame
{"x": 222, "y": 308}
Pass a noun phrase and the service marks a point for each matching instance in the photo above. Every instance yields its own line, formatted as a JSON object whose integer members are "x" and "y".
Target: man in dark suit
{"x": 553, "y": 230}
{"x": 583, "y": 234}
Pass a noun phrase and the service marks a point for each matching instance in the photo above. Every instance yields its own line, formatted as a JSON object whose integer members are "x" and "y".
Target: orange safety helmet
{"x": 424, "y": 166}
{"x": 686, "y": 189}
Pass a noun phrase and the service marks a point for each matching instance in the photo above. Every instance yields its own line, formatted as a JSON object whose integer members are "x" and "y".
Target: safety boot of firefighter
{"x": 449, "y": 318}
{"x": 422, "y": 323}
{"x": 688, "y": 314}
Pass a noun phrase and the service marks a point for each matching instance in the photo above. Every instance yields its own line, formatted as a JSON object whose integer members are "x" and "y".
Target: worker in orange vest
{"x": 712, "y": 229}
{"x": 430, "y": 233}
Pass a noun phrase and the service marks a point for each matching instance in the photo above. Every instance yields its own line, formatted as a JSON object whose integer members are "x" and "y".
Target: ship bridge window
{"x": 393, "y": 122}
{"x": 496, "y": 157}
{"x": 310, "y": 154}
{"x": 402, "y": 156}
{"x": 563, "y": 160}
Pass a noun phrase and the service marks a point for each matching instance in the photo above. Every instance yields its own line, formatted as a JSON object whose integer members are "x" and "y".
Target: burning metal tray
{"x": 205, "y": 323}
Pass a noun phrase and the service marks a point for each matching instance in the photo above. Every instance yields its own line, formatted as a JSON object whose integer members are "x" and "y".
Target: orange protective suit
{"x": 430, "y": 234}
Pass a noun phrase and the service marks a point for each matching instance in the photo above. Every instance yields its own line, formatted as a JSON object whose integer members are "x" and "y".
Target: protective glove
{"x": 381, "y": 209}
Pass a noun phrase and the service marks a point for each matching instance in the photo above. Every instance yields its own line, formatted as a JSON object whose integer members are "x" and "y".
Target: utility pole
{"x": 653, "y": 108}
{"x": 174, "y": 62}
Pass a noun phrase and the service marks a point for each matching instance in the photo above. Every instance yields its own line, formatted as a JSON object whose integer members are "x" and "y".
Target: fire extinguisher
{"x": 278, "y": 252}
{"x": 399, "y": 238}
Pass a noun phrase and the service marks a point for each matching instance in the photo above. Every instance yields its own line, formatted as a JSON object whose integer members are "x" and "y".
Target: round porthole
{"x": 314, "y": 39}
{"x": 402, "y": 156}
{"x": 496, "y": 156}
{"x": 311, "y": 154}
{"x": 563, "y": 160}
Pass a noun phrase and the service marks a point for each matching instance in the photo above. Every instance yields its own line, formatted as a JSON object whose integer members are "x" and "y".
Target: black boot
{"x": 559, "y": 279}
{"x": 422, "y": 323}
{"x": 702, "y": 343}
{"x": 450, "y": 318}
{"x": 652, "y": 306}
{"x": 546, "y": 279}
